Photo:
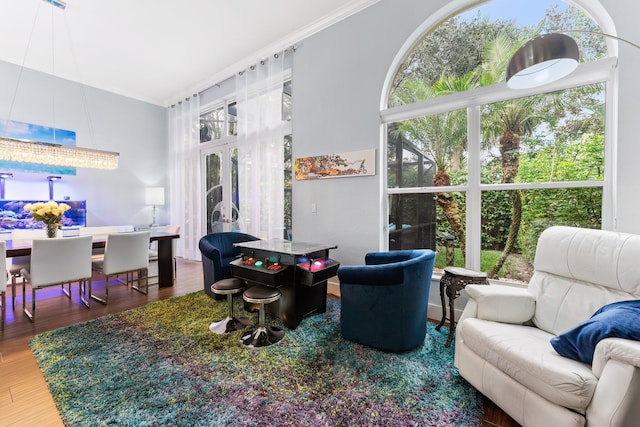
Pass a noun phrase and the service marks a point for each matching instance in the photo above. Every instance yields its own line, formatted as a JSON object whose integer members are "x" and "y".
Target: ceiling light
{"x": 17, "y": 150}
{"x": 46, "y": 153}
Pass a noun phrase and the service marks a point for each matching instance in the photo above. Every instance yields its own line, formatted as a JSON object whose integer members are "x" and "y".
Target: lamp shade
{"x": 154, "y": 196}
{"x": 542, "y": 60}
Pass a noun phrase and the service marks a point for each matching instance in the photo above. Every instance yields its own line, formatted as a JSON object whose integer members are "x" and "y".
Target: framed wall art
{"x": 351, "y": 164}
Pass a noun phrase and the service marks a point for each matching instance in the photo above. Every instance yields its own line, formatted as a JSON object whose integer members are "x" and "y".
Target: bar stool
{"x": 228, "y": 287}
{"x": 264, "y": 335}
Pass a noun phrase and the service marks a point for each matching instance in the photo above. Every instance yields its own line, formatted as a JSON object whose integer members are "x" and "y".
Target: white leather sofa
{"x": 503, "y": 337}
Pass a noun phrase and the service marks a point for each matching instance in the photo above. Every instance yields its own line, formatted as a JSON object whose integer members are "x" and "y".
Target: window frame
{"x": 599, "y": 71}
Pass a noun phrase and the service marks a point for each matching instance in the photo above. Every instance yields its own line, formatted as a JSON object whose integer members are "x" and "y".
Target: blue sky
{"x": 31, "y": 132}
{"x": 39, "y": 133}
{"x": 525, "y": 12}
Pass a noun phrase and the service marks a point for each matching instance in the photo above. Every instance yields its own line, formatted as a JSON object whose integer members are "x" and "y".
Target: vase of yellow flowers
{"x": 50, "y": 213}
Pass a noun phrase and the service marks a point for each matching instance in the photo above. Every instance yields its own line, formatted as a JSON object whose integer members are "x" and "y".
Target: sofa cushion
{"x": 525, "y": 354}
{"x": 616, "y": 320}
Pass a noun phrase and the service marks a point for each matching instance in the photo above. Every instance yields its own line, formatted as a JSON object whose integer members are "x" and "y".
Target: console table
{"x": 299, "y": 270}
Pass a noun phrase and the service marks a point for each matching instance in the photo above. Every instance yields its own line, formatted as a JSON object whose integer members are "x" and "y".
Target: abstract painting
{"x": 353, "y": 163}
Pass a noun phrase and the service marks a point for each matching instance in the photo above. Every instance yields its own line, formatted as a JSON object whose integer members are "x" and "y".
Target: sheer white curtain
{"x": 185, "y": 181}
{"x": 261, "y": 148}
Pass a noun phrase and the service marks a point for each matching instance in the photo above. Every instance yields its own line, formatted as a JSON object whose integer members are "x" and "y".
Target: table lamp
{"x": 154, "y": 196}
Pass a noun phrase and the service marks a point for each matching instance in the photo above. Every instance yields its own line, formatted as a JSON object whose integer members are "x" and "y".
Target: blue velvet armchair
{"x": 217, "y": 253}
{"x": 384, "y": 303}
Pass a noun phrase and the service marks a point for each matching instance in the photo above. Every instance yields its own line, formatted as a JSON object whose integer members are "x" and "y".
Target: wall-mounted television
{"x": 14, "y": 217}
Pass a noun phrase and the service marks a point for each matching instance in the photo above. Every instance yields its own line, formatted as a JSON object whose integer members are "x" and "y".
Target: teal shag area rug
{"x": 159, "y": 365}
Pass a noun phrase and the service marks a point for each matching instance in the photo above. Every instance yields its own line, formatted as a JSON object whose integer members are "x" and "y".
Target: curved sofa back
{"x": 579, "y": 270}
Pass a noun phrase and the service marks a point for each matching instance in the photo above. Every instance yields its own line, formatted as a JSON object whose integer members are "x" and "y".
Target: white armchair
{"x": 503, "y": 341}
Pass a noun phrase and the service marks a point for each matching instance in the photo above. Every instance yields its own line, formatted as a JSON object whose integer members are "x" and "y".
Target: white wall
{"x": 625, "y": 16}
{"x": 338, "y": 75}
{"x": 338, "y": 83}
{"x": 137, "y": 130}
{"x": 338, "y": 79}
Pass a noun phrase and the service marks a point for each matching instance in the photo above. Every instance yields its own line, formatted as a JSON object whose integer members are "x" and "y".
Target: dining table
{"x": 22, "y": 247}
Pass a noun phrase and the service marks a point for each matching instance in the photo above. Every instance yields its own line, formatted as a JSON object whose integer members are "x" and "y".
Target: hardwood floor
{"x": 24, "y": 397}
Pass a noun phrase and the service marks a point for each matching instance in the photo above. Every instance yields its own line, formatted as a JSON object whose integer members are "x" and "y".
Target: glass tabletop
{"x": 285, "y": 246}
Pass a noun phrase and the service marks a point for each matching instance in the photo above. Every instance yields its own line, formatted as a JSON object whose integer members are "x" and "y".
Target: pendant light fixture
{"x": 40, "y": 152}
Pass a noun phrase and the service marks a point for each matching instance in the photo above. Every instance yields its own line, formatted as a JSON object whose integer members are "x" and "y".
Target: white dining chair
{"x": 19, "y": 263}
{"x": 56, "y": 262}
{"x": 98, "y": 253}
{"x": 4, "y": 277}
{"x": 16, "y": 265}
{"x": 125, "y": 253}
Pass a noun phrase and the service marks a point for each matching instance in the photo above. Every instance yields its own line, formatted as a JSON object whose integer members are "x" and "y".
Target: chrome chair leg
{"x": 13, "y": 289}
{"x": 84, "y": 293}
{"x": 31, "y": 315}
{"x": 103, "y": 300}
{"x": 144, "y": 275}
{"x": 66, "y": 292}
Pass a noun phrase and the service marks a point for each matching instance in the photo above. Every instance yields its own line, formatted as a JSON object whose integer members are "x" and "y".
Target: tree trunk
{"x": 514, "y": 229}
{"x": 510, "y": 154}
{"x": 450, "y": 208}
{"x": 451, "y": 211}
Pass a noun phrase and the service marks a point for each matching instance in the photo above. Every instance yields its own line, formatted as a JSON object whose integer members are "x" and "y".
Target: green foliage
{"x": 487, "y": 260}
{"x": 496, "y": 219}
{"x": 555, "y": 137}
{"x": 454, "y": 49}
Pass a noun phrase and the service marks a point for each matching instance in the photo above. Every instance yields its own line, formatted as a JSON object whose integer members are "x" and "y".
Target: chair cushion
{"x": 617, "y": 320}
{"x": 525, "y": 354}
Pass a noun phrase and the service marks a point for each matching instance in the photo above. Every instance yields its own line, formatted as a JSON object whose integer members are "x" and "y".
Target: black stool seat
{"x": 263, "y": 335}
{"x": 261, "y": 294}
{"x": 228, "y": 287}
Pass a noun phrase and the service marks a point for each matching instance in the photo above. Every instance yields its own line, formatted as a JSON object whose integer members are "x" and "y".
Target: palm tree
{"x": 506, "y": 123}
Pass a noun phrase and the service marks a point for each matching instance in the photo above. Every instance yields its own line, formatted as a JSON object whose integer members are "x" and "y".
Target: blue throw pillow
{"x": 619, "y": 320}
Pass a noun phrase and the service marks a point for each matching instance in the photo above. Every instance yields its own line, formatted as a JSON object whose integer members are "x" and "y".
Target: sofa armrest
{"x": 505, "y": 304}
{"x": 620, "y": 349}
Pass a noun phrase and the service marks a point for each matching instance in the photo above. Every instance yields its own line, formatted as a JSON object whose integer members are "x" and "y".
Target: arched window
{"x": 484, "y": 168}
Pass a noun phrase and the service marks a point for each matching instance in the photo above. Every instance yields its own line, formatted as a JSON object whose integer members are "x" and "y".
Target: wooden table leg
{"x": 165, "y": 263}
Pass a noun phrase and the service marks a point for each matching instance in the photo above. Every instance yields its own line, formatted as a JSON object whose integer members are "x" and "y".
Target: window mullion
{"x": 609, "y": 201}
{"x": 474, "y": 197}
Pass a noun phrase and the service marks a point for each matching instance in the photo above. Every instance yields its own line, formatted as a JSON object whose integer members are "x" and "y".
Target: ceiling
{"x": 157, "y": 51}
